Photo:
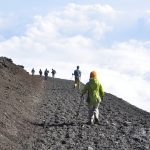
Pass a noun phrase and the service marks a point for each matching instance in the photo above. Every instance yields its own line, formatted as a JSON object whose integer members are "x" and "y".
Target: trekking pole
{"x": 72, "y": 76}
{"x": 53, "y": 83}
{"x": 77, "y": 114}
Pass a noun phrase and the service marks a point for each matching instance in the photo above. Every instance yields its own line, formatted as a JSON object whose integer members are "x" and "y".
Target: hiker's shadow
{"x": 60, "y": 124}
{"x": 48, "y": 125}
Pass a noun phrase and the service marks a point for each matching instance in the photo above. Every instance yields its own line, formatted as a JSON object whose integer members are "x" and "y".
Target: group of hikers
{"x": 46, "y": 72}
{"x": 92, "y": 88}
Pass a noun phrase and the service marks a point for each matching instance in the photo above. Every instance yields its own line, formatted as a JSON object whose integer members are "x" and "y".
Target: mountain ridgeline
{"x": 38, "y": 114}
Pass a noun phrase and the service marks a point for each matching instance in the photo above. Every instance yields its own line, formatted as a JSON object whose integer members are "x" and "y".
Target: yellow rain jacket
{"x": 94, "y": 90}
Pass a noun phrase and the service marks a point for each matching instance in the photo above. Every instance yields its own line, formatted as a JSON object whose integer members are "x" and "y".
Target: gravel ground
{"x": 42, "y": 115}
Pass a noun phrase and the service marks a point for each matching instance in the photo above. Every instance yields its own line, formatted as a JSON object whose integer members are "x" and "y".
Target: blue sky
{"x": 108, "y": 36}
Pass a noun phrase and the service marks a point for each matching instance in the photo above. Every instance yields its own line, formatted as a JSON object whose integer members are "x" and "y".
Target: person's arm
{"x": 101, "y": 91}
{"x": 85, "y": 89}
{"x": 80, "y": 73}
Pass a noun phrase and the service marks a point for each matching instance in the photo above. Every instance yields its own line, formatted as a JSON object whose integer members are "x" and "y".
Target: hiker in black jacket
{"x": 53, "y": 73}
{"x": 40, "y": 72}
{"x": 33, "y": 71}
{"x": 46, "y": 74}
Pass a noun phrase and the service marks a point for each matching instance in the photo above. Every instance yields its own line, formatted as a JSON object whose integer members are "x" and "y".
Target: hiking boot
{"x": 96, "y": 121}
{"x": 90, "y": 123}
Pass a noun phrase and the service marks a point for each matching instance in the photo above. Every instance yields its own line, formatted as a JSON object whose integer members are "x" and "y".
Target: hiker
{"x": 40, "y": 72}
{"x": 77, "y": 75}
{"x": 33, "y": 71}
{"x": 53, "y": 73}
{"x": 46, "y": 73}
{"x": 95, "y": 94}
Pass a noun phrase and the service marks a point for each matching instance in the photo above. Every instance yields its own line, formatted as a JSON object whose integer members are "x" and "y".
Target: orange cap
{"x": 93, "y": 74}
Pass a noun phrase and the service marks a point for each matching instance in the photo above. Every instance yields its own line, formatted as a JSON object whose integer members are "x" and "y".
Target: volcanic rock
{"x": 38, "y": 114}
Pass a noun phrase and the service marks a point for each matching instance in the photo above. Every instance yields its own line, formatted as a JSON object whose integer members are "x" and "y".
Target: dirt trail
{"x": 57, "y": 119}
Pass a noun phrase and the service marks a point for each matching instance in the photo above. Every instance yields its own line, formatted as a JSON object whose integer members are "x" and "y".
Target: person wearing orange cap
{"x": 95, "y": 95}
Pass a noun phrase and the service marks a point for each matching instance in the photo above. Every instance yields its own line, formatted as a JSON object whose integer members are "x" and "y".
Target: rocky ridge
{"x": 42, "y": 115}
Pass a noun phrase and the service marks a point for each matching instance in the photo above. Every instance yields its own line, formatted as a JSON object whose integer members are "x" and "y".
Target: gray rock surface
{"x": 42, "y": 115}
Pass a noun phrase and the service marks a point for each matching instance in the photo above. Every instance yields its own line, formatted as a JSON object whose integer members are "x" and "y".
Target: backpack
{"x": 53, "y": 71}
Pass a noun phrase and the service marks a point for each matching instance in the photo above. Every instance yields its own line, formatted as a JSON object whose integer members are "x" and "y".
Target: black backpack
{"x": 54, "y": 72}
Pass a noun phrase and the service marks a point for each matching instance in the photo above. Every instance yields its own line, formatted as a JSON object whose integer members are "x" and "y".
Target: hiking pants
{"x": 77, "y": 82}
{"x": 46, "y": 77}
{"x": 93, "y": 112}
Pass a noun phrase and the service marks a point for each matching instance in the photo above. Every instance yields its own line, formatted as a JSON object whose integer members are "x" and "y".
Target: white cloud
{"x": 133, "y": 89}
{"x": 97, "y": 9}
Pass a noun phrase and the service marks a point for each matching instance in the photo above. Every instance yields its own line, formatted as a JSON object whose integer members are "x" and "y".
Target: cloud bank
{"x": 96, "y": 37}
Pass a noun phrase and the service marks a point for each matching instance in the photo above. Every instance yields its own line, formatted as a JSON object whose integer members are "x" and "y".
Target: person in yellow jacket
{"x": 95, "y": 95}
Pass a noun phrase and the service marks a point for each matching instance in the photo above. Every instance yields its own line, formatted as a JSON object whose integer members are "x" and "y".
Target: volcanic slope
{"x": 39, "y": 114}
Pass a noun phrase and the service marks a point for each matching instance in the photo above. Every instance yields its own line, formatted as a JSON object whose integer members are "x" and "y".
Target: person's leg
{"x": 75, "y": 82}
{"x": 91, "y": 114}
{"x": 45, "y": 77}
{"x": 96, "y": 113}
{"x": 78, "y": 83}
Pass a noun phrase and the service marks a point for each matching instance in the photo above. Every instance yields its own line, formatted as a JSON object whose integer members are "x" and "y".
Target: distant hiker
{"x": 53, "y": 73}
{"x": 77, "y": 75}
{"x": 40, "y": 72}
{"x": 95, "y": 94}
{"x": 46, "y": 74}
{"x": 33, "y": 71}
